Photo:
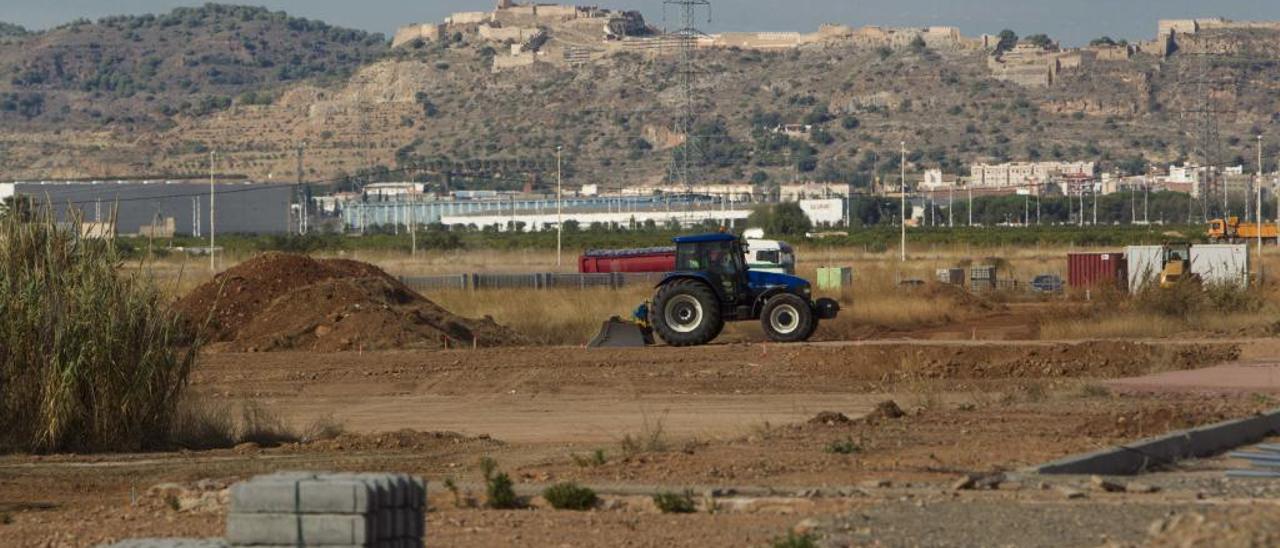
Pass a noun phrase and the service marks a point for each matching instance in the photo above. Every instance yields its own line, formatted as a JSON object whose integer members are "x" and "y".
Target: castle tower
{"x": 506, "y": 4}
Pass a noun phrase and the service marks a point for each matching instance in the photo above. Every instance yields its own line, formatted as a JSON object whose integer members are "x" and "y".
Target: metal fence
{"x": 532, "y": 280}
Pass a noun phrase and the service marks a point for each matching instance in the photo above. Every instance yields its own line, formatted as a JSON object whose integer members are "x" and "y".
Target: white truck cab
{"x": 768, "y": 255}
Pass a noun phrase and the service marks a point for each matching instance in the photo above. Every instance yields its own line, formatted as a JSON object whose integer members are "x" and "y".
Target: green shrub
{"x": 1231, "y": 298}
{"x": 793, "y": 540}
{"x": 596, "y": 458}
{"x": 843, "y": 447}
{"x": 498, "y": 486}
{"x": 91, "y": 359}
{"x": 1183, "y": 298}
{"x": 675, "y": 503}
{"x": 570, "y": 496}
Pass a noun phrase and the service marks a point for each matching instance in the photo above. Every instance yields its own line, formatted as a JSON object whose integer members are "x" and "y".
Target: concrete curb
{"x": 1138, "y": 457}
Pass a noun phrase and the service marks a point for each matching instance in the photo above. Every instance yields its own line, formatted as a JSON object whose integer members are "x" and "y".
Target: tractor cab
{"x": 719, "y": 257}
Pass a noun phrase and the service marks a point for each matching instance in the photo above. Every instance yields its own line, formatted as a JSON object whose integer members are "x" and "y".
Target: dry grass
{"x": 552, "y": 317}
{"x": 875, "y": 302}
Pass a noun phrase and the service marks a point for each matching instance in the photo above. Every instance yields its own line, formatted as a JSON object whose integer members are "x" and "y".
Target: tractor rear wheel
{"x": 686, "y": 313}
{"x": 788, "y": 318}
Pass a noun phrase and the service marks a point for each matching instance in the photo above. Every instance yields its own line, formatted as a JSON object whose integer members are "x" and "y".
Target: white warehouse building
{"x": 544, "y": 220}
{"x": 821, "y": 212}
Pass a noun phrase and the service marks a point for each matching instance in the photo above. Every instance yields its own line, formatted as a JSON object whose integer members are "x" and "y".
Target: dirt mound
{"x": 887, "y": 409}
{"x": 279, "y": 301}
{"x": 406, "y": 439}
{"x": 830, "y": 418}
{"x": 1097, "y": 359}
{"x": 1156, "y": 420}
{"x": 962, "y": 298}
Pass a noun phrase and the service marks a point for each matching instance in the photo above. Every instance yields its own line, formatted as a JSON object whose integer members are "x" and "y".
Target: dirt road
{"x": 730, "y": 416}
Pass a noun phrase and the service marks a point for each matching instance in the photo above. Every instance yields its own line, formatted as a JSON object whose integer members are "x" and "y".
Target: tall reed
{"x": 91, "y": 358}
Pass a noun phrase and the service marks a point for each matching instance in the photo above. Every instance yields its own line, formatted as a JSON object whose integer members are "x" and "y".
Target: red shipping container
{"x": 1096, "y": 270}
{"x": 660, "y": 259}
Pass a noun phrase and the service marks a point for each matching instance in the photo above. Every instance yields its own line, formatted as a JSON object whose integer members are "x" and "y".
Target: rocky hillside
{"x": 150, "y": 71}
{"x": 420, "y": 106}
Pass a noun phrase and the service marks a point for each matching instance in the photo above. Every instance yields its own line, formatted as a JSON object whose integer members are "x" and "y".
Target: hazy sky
{"x": 1071, "y": 21}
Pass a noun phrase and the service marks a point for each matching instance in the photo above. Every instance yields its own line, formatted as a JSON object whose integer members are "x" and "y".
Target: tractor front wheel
{"x": 788, "y": 318}
{"x": 686, "y": 313}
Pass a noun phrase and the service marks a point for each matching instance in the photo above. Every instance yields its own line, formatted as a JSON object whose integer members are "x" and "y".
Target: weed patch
{"x": 570, "y": 496}
{"x": 596, "y": 458}
{"x": 499, "y": 489}
{"x": 651, "y": 439}
{"x": 261, "y": 426}
{"x": 675, "y": 503}
{"x": 843, "y": 447}
{"x": 793, "y": 540}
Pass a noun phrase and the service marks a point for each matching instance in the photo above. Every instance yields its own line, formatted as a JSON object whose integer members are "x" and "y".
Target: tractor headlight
{"x": 806, "y": 290}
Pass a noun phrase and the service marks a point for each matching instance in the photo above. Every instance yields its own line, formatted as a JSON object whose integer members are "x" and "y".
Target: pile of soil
{"x": 1097, "y": 359}
{"x": 1157, "y": 420}
{"x": 280, "y": 301}
{"x": 962, "y": 298}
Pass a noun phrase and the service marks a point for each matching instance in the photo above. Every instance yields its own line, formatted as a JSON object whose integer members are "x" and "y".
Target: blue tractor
{"x": 711, "y": 285}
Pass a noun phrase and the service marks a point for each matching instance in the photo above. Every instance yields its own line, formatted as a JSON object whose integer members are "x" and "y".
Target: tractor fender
{"x": 758, "y": 306}
{"x": 697, "y": 276}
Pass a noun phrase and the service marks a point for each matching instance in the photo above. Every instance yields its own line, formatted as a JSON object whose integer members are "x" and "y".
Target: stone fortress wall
{"x": 568, "y": 34}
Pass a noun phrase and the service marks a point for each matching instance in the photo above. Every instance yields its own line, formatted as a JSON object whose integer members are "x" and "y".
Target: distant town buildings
{"x": 1027, "y": 176}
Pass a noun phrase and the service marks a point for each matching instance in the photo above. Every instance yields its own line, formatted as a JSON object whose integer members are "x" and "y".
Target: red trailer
{"x": 1096, "y": 270}
{"x": 650, "y": 259}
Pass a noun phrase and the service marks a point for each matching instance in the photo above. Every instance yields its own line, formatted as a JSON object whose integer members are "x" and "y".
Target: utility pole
{"x": 213, "y": 265}
{"x": 951, "y": 203}
{"x": 1258, "y": 204}
{"x": 559, "y": 207}
{"x": 904, "y": 201}
{"x": 302, "y": 197}
{"x": 1133, "y": 205}
{"x": 970, "y": 188}
{"x": 1094, "y": 190}
{"x": 1081, "y": 205}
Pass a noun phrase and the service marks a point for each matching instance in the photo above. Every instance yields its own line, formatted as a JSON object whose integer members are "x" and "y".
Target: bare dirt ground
{"x": 731, "y": 422}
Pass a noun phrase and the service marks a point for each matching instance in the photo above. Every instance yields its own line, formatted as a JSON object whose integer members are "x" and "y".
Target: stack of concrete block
{"x": 325, "y": 509}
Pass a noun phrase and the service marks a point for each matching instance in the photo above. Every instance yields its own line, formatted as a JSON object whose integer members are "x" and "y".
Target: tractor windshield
{"x": 715, "y": 257}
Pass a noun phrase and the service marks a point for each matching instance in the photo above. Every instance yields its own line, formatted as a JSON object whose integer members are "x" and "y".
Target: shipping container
{"x": 650, "y": 259}
{"x": 952, "y": 276}
{"x": 1096, "y": 270}
{"x": 1144, "y": 264}
{"x": 1221, "y": 264}
{"x": 835, "y": 277}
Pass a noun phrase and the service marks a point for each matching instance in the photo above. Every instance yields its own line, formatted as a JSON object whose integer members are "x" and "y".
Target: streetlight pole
{"x": 1258, "y": 203}
{"x": 213, "y": 265}
{"x": 904, "y": 201}
{"x": 559, "y": 207}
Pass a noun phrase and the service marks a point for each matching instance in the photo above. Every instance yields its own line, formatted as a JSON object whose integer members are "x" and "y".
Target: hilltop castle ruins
{"x": 568, "y": 35}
